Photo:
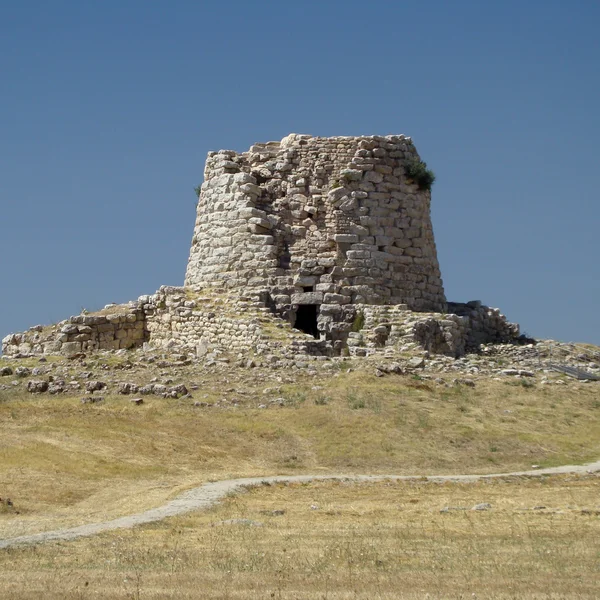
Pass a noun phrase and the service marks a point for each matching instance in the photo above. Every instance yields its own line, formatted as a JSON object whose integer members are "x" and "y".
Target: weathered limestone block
{"x": 307, "y": 298}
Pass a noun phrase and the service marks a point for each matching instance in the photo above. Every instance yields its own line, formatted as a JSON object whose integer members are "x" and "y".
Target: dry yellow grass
{"x": 338, "y": 540}
{"x": 63, "y": 463}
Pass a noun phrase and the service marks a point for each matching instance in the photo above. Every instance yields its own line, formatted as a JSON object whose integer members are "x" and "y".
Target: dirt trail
{"x": 210, "y": 493}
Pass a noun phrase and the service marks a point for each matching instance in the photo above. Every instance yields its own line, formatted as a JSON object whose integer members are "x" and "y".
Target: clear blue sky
{"x": 107, "y": 111}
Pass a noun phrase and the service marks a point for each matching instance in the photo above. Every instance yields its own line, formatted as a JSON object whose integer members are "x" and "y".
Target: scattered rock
{"x": 5, "y": 371}
{"x": 417, "y": 362}
{"x": 482, "y": 506}
{"x": 462, "y": 381}
{"x": 127, "y": 388}
{"x": 92, "y": 399}
{"x": 57, "y": 386}
{"x": 137, "y": 401}
{"x": 246, "y": 522}
{"x": 94, "y": 386}
{"x": 22, "y": 372}
{"x": 179, "y": 390}
{"x": 37, "y": 386}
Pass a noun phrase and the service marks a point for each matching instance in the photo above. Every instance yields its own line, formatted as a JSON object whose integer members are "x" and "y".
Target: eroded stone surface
{"x": 312, "y": 220}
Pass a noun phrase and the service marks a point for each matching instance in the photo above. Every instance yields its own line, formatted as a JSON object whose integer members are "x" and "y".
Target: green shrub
{"x": 417, "y": 171}
{"x": 198, "y": 189}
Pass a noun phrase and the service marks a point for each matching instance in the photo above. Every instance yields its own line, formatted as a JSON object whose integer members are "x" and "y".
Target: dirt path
{"x": 210, "y": 493}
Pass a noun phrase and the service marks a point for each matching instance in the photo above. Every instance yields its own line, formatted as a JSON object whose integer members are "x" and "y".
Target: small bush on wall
{"x": 417, "y": 171}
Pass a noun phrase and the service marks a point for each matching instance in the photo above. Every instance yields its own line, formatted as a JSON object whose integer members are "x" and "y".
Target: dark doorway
{"x": 306, "y": 319}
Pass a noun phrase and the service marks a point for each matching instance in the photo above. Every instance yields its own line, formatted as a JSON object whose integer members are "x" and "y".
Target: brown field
{"x": 539, "y": 539}
{"x": 63, "y": 463}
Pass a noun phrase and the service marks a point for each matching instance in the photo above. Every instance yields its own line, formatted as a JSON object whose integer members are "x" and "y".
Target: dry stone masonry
{"x": 313, "y": 226}
{"x": 309, "y": 245}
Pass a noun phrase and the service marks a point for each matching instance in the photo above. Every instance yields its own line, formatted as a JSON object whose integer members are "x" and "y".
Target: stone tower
{"x": 315, "y": 227}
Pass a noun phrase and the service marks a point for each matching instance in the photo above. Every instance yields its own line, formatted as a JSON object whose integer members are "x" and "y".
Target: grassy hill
{"x": 64, "y": 463}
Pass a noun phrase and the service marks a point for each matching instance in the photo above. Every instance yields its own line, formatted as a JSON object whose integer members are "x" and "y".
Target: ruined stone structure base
{"x": 304, "y": 246}
{"x": 314, "y": 226}
{"x": 181, "y": 319}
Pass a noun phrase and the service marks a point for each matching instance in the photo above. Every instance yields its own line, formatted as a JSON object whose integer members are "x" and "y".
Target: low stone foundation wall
{"x": 393, "y": 327}
{"x": 176, "y": 316}
{"x": 196, "y": 321}
{"x": 462, "y": 329}
{"x": 172, "y": 318}
{"x": 124, "y": 328}
{"x": 485, "y": 325}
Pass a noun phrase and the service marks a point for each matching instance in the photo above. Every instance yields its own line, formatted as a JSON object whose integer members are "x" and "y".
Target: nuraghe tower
{"x": 314, "y": 226}
{"x": 328, "y": 234}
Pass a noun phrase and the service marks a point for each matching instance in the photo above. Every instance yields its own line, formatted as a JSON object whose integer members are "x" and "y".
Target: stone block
{"x": 244, "y": 178}
{"x": 337, "y": 194}
{"x": 305, "y": 280}
{"x": 336, "y": 299}
{"x": 345, "y": 238}
{"x": 249, "y": 212}
{"x": 71, "y": 347}
{"x": 259, "y": 229}
{"x": 308, "y": 298}
{"x": 69, "y": 328}
{"x": 250, "y": 189}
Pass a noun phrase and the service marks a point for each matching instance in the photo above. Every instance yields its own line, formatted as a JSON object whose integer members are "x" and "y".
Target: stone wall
{"x": 180, "y": 318}
{"x": 177, "y": 317}
{"x": 118, "y": 328}
{"x": 452, "y": 334}
{"x": 317, "y": 221}
{"x": 485, "y": 325}
{"x": 174, "y": 318}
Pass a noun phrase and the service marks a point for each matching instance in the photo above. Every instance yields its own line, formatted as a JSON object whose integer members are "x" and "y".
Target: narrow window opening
{"x": 381, "y": 248}
{"x": 285, "y": 258}
{"x": 306, "y": 319}
{"x": 308, "y": 288}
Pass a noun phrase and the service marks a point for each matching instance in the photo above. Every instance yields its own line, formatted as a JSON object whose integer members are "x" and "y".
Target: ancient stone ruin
{"x": 307, "y": 245}
{"x": 315, "y": 226}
